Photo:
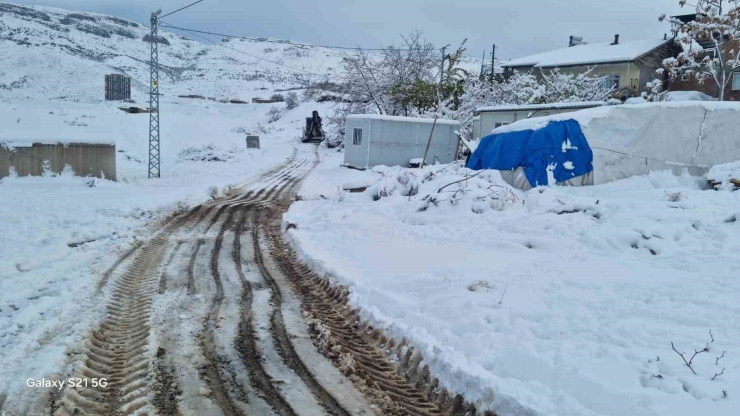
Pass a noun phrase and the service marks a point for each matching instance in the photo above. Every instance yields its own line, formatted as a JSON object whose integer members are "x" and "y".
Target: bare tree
{"x": 381, "y": 82}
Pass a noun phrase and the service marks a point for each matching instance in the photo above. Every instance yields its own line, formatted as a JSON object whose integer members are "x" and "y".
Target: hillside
{"x": 51, "y": 53}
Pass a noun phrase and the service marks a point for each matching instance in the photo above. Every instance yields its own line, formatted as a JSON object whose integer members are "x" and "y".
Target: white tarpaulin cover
{"x": 631, "y": 140}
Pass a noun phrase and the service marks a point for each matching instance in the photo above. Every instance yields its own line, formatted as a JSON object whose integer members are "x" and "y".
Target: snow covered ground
{"x": 48, "y": 301}
{"x": 557, "y": 301}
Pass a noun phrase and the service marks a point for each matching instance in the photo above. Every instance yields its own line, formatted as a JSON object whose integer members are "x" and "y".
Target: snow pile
{"x": 208, "y": 153}
{"x": 688, "y": 96}
{"x": 565, "y": 302}
{"x": 445, "y": 188}
{"x": 724, "y": 172}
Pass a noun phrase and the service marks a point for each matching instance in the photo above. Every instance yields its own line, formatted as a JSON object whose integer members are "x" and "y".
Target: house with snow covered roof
{"x": 627, "y": 66}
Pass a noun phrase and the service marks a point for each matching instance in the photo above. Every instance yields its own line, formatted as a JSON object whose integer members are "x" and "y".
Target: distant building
{"x": 117, "y": 87}
{"x": 627, "y": 66}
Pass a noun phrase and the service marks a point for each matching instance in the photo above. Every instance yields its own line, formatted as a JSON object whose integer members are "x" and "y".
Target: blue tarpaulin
{"x": 557, "y": 143}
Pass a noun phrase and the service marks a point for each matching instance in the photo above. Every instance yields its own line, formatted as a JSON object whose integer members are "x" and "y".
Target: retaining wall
{"x": 86, "y": 159}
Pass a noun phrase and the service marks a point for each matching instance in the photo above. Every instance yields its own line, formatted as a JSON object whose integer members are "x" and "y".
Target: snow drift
{"x": 628, "y": 140}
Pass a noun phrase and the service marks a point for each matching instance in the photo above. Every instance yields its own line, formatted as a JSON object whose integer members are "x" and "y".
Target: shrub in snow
{"x": 443, "y": 186}
{"x": 229, "y": 190}
{"x": 481, "y": 284}
{"x": 384, "y": 188}
{"x": 674, "y": 196}
{"x": 291, "y": 100}
{"x": 67, "y": 171}
{"x": 46, "y": 169}
{"x": 208, "y": 153}
{"x": 213, "y": 192}
{"x": 278, "y": 98}
{"x": 274, "y": 115}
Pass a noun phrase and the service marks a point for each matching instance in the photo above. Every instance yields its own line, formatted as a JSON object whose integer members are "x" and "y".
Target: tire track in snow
{"x": 116, "y": 350}
{"x": 214, "y": 370}
{"x": 281, "y": 338}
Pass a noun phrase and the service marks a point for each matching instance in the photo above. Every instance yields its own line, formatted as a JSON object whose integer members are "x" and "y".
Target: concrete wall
{"x": 394, "y": 143}
{"x": 85, "y": 159}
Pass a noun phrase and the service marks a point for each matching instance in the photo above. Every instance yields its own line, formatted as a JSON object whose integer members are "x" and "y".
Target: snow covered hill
{"x": 51, "y": 53}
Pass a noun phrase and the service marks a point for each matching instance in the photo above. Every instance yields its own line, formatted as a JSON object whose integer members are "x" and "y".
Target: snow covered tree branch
{"x": 717, "y": 27}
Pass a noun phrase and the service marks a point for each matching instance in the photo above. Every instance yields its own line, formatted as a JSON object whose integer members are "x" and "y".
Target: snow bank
{"x": 587, "y": 287}
{"x": 689, "y": 96}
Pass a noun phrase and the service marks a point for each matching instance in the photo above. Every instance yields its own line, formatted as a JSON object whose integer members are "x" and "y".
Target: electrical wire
{"x": 256, "y": 57}
{"x": 180, "y": 9}
{"x": 282, "y": 42}
{"x": 270, "y": 40}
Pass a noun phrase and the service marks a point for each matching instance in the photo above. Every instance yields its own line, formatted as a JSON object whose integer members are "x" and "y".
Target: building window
{"x": 497, "y": 125}
{"x": 611, "y": 82}
{"x": 736, "y": 81}
{"x": 685, "y": 76}
{"x": 357, "y": 136}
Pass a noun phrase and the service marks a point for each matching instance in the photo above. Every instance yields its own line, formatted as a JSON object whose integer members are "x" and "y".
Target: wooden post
{"x": 493, "y": 61}
{"x": 424, "y": 159}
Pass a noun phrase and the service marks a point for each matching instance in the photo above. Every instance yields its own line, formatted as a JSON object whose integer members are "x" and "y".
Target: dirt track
{"x": 215, "y": 315}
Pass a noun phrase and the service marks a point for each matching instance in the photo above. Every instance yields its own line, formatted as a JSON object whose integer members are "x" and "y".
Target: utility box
{"x": 253, "y": 142}
{"x": 117, "y": 87}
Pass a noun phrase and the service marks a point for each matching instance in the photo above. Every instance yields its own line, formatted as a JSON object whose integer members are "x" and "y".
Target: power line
{"x": 255, "y": 56}
{"x": 180, "y": 9}
{"x": 272, "y": 41}
{"x": 356, "y": 48}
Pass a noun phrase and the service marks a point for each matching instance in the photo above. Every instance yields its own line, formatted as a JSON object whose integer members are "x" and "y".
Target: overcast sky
{"x": 518, "y": 27}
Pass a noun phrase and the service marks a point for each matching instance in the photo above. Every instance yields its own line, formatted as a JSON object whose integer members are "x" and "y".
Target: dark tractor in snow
{"x": 313, "y": 132}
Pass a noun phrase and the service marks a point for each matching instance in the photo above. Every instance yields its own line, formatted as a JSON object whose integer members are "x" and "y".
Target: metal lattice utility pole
{"x": 154, "y": 155}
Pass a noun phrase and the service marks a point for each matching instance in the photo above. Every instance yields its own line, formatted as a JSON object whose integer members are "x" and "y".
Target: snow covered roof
{"x": 30, "y": 122}
{"x": 584, "y": 117}
{"x": 597, "y": 53}
{"x": 398, "y": 118}
{"x": 553, "y": 106}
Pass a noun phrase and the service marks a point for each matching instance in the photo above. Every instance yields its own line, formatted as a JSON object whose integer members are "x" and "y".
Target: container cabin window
{"x": 736, "y": 81}
{"x": 497, "y": 125}
{"x": 357, "y": 136}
